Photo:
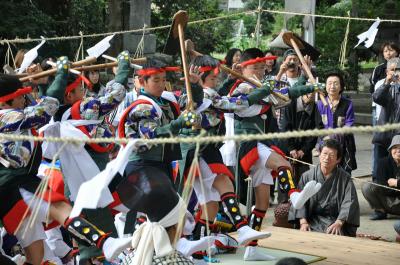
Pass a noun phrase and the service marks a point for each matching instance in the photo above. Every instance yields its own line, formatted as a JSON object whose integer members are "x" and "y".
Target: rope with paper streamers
{"x": 9, "y": 54}
{"x": 140, "y": 47}
{"x": 328, "y": 16}
{"x": 63, "y": 38}
{"x": 343, "y": 47}
{"x": 211, "y": 139}
{"x": 250, "y": 12}
{"x": 80, "y": 48}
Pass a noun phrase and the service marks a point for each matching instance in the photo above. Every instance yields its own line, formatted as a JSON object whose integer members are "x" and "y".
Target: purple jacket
{"x": 343, "y": 116}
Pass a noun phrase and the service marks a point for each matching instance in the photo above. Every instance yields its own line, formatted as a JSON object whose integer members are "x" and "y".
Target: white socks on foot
{"x": 112, "y": 247}
{"x": 187, "y": 247}
{"x": 254, "y": 254}
{"x": 298, "y": 199}
{"x": 247, "y": 234}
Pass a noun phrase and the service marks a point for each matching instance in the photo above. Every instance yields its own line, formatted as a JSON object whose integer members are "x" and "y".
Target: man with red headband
{"x": 217, "y": 179}
{"x": 146, "y": 184}
{"x": 86, "y": 117}
{"x": 18, "y": 174}
{"x": 20, "y": 161}
{"x": 258, "y": 159}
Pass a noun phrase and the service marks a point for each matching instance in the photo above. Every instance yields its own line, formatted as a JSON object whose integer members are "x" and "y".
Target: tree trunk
{"x": 115, "y": 24}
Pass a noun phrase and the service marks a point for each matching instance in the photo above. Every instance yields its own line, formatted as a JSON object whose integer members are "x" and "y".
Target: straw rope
{"x": 211, "y": 139}
{"x": 250, "y": 12}
{"x": 330, "y": 17}
{"x": 354, "y": 178}
{"x": 63, "y": 38}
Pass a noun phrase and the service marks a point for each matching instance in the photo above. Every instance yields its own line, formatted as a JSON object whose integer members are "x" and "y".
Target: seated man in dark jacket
{"x": 382, "y": 200}
{"x": 334, "y": 209}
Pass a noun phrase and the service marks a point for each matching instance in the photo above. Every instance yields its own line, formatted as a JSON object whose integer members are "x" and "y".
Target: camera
{"x": 291, "y": 64}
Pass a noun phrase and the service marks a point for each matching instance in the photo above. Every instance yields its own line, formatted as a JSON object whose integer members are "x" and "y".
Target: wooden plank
{"x": 337, "y": 249}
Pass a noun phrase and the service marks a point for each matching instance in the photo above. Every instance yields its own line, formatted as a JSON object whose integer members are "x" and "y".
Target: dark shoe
{"x": 377, "y": 215}
{"x": 398, "y": 238}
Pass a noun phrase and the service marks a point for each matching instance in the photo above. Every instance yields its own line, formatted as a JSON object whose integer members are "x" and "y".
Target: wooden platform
{"x": 336, "y": 249}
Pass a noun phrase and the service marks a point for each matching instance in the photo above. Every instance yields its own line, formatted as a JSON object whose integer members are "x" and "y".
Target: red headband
{"x": 209, "y": 68}
{"x": 154, "y": 71}
{"x": 75, "y": 84}
{"x": 258, "y": 59}
{"x": 19, "y": 92}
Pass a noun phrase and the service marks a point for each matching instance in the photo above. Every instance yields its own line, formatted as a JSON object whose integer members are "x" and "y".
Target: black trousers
{"x": 381, "y": 198}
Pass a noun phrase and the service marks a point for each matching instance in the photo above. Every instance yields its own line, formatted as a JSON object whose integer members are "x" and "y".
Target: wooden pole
{"x": 258, "y": 25}
{"x": 80, "y": 66}
{"x": 251, "y": 81}
{"x": 52, "y": 71}
{"x": 307, "y": 69}
{"x": 108, "y": 65}
{"x": 185, "y": 68}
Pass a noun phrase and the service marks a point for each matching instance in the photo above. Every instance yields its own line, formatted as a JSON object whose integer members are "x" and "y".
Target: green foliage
{"x": 22, "y": 19}
{"x": 267, "y": 22}
{"x": 87, "y": 16}
{"x": 267, "y": 19}
{"x": 208, "y": 37}
{"x": 330, "y": 34}
{"x": 33, "y": 23}
{"x": 34, "y": 18}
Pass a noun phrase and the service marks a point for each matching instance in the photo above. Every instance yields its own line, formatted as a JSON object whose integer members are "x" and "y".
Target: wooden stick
{"x": 185, "y": 68}
{"x": 251, "y": 81}
{"x": 88, "y": 60}
{"x": 108, "y": 65}
{"x": 307, "y": 69}
{"x": 113, "y": 59}
{"x": 96, "y": 66}
{"x": 53, "y": 64}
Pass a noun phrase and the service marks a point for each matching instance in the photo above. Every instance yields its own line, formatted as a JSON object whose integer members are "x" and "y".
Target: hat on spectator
{"x": 288, "y": 52}
{"x": 395, "y": 141}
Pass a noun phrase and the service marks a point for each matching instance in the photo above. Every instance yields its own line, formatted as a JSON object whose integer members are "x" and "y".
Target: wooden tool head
{"x": 172, "y": 45}
{"x": 180, "y": 18}
{"x": 305, "y": 47}
{"x": 287, "y": 36}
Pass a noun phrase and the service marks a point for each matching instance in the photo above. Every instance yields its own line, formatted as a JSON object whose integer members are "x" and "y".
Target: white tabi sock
{"x": 247, "y": 234}
{"x": 187, "y": 247}
{"x": 254, "y": 254}
{"x": 298, "y": 199}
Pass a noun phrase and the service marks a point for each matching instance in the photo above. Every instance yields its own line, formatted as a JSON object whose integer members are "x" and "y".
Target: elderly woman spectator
{"x": 339, "y": 113}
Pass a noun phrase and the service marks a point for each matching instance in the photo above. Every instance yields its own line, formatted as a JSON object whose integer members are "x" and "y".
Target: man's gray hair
{"x": 394, "y": 61}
